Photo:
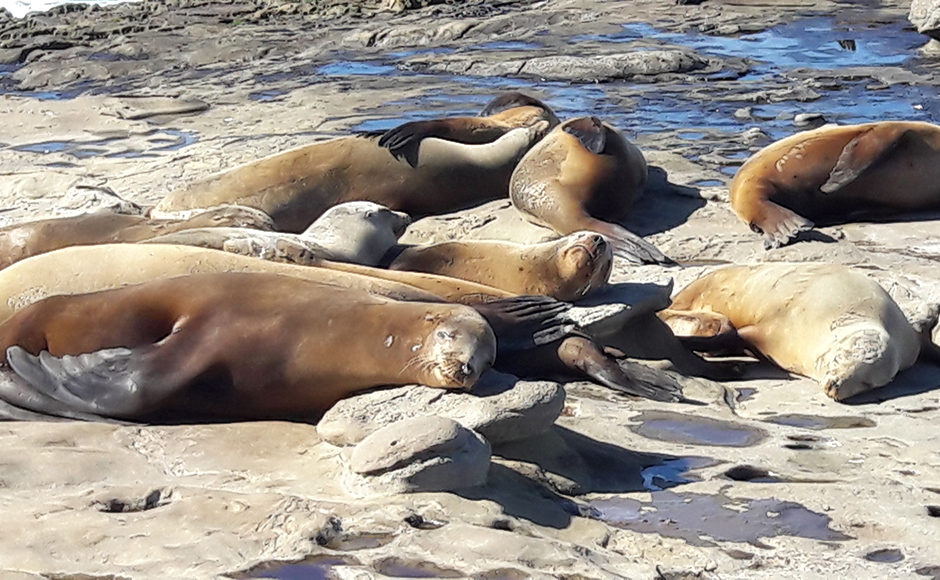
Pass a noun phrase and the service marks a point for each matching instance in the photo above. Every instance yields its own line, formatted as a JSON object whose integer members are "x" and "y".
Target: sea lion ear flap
{"x": 590, "y": 131}
{"x": 866, "y": 149}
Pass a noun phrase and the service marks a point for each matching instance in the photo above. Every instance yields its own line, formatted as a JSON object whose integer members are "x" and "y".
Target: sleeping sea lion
{"x": 834, "y": 174}
{"x": 506, "y": 112}
{"x": 295, "y": 187}
{"x": 360, "y": 232}
{"x": 583, "y": 173}
{"x": 566, "y": 269}
{"x": 20, "y": 241}
{"x": 233, "y": 346}
{"x": 827, "y": 322}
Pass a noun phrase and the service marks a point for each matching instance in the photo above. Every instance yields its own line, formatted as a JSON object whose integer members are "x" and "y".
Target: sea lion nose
{"x": 466, "y": 370}
{"x": 599, "y": 241}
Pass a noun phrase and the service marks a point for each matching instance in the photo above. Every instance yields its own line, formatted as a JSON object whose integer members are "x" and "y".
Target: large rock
{"x": 925, "y": 15}
{"x": 419, "y": 454}
{"x": 501, "y": 407}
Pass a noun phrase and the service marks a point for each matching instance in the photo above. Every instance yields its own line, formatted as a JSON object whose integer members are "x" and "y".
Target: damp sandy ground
{"x": 770, "y": 479}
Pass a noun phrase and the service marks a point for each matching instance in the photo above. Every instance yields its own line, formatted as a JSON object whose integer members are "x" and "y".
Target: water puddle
{"x": 674, "y": 472}
{"x": 344, "y": 68}
{"x": 311, "y": 568}
{"x": 885, "y": 556}
{"x": 818, "y": 423}
{"x": 702, "y": 519}
{"x": 160, "y": 141}
{"x": 689, "y": 429}
{"x": 399, "y": 568}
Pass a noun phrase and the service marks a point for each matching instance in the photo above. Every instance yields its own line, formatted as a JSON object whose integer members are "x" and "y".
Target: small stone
{"x": 809, "y": 119}
{"x": 925, "y": 15}
{"x": 744, "y": 113}
{"x": 754, "y": 135}
{"x": 419, "y": 455}
{"x": 500, "y": 406}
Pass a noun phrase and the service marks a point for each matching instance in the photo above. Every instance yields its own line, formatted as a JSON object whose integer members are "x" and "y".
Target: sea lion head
{"x": 590, "y": 131}
{"x": 458, "y": 349}
{"x": 521, "y": 110}
{"x": 358, "y": 231}
{"x": 584, "y": 261}
{"x": 860, "y": 357}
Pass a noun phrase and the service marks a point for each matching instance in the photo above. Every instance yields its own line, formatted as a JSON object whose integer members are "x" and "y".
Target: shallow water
{"x": 694, "y": 430}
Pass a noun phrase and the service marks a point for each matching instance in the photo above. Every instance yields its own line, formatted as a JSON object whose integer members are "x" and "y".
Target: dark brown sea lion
{"x": 506, "y": 112}
{"x": 837, "y": 174}
{"x": 20, "y": 241}
{"x": 583, "y": 176}
{"x": 295, "y": 187}
{"x": 567, "y": 269}
{"x": 233, "y": 346}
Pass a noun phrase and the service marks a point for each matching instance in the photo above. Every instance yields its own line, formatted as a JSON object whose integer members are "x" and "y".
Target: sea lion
{"x": 95, "y": 268}
{"x": 295, "y": 187}
{"x": 566, "y": 269}
{"x": 582, "y": 171}
{"x": 827, "y": 322}
{"x": 506, "y": 112}
{"x": 233, "y": 346}
{"x": 20, "y": 241}
{"x": 833, "y": 174}
{"x": 360, "y": 232}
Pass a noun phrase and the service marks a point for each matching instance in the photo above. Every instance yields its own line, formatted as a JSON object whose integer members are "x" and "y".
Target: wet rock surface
{"x": 117, "y": 107}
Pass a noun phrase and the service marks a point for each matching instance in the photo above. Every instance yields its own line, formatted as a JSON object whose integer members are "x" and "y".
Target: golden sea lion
{"x": 834, "y": 174}
{"x": 20, "y": 241}
{"x": 360, "y": 232}
{"x": 583, "y": 173}
{"x": 233, "y": 346}
{"x": 826, "y": 322}
{"x": 566, "y": 269}
{"x": 562, "y": 349}
{"x": 506, "y": 112}
{"x": 295, "y": 187}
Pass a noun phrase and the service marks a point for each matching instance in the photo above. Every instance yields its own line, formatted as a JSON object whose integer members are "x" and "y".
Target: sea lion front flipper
{"x": 582, "y": 354}
{"x": 863, "y": 151}
{"x": 404, "y": 140}
{"x": 20, "y": 401}
{"x": 629, "y": 246}
{"x": 110, "y": 382}
{"x": 924, "y": 326}
{"x": 524, "y": 322}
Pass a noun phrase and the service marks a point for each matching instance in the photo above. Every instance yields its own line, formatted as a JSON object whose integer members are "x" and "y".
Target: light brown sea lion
{"x": 566, "y": 269}
{"x": 295, "y": 187}
{"x": 360, "y": 232}
{"x": 94, "y": 268}
{"x": 233, "y": 346}
{"x": 20, "y": 241}
{"x": 506, "y": 112}
{"x": 834, "y": 174}
{"x": 583, "y": 173}
{"x": 826, "y": 322}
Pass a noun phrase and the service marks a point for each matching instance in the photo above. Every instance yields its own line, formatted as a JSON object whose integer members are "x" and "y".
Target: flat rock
{"x": 610, "y": 308}
{"x": 501, "y": 407}
{"x": 419, "y": 455}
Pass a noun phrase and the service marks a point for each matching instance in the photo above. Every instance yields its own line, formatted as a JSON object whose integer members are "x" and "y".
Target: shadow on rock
{"x": 663, "y": 206}
{"x": 920, "y": 378}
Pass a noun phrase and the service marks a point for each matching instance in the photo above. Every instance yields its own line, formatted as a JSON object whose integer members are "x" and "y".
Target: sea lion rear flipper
{"x": 108, "y": 382}
{"x": 20, "y": 401}
{"x": 581, "y": 353}
{"x": 779, "y": 225}
{"x": 524, "y": 322}
{"x": 863, "y": 151}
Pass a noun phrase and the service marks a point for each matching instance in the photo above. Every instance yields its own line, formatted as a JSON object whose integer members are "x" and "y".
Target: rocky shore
{"x": 768, "y": 478}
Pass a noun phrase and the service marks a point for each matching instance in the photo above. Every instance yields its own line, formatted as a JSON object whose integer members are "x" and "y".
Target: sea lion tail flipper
{"x": 107, "y": 382}
{"x": 524, "y": 322}
{"x": 864, "y": 150}
{"x": 779, "y": 225}
{"x": 629, "y": 246}
{"x": 582, "y": 354}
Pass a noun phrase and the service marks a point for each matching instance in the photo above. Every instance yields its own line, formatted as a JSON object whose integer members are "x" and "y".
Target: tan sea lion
{"x": 295, "y": 187}
{"x": 233, "y": 346}
{"x": 506, "y": 112}
{"x": 826, "y": 322}
{"x": 834, "y": 174}
{"x": 566, "y": 269}
{"x": 20, "y": 241}
{"x": 562, "y": 349}
{"x": 583, "y": 173}
{"x": 360, "y": 232}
